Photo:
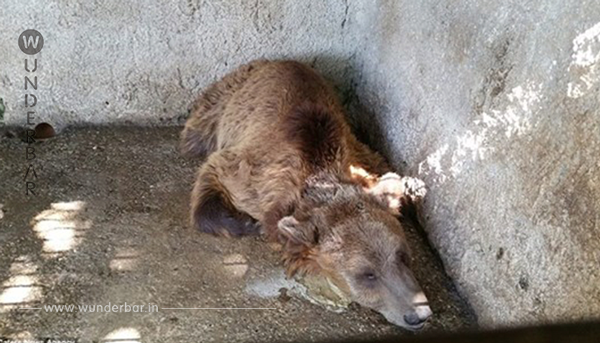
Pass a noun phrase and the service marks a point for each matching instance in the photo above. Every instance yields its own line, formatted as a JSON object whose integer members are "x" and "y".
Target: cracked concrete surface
{"x": 108, "y": 226}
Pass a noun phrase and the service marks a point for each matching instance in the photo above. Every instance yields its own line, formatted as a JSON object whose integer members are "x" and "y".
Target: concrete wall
{"x": 494, "y": 103}
{"x": 143, "y": 61}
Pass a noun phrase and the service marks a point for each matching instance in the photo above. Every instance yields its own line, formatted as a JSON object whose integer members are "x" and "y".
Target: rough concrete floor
{"x": 108, "y": 226}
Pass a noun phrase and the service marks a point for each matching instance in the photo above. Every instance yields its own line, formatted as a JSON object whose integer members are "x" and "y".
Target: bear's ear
{"x": 299, "y": 240}
{"x": 291, "y": 231}
{"x": 394, "y": 191}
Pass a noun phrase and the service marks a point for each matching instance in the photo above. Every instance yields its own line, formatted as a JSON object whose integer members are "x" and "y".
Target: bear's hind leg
{"x": 212, "y": 210}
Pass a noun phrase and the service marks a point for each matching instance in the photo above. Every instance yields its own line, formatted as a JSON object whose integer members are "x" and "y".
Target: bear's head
{"x": 352, "y": 236}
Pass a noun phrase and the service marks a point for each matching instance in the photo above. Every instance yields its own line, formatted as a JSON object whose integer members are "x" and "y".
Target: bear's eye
{"x": 368, "y": 276}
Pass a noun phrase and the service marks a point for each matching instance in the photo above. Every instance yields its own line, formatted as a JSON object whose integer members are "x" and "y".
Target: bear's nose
{"x": 419, "y": 315}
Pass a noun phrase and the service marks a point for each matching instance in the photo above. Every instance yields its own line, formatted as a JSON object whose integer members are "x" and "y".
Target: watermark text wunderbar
{"x": 30, "y": 42}
{"x": 108, "y": 308}
{"x": 125, "y": 307}
{"x": 38, "y": 340}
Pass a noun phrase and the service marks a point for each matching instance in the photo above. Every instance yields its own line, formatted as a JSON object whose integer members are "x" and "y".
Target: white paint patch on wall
{"x": 585, "y": 64}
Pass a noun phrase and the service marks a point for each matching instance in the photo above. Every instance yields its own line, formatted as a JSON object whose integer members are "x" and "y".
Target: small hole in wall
{"x": 500, "y": 253}
{"x": 523, "y": 283}
{"x": 107, "y": 103}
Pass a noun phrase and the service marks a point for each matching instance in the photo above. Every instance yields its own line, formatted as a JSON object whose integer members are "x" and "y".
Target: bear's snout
{"x": 418, "y": 315}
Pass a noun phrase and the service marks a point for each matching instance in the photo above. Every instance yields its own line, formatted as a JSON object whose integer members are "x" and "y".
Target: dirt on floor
{"x": 107, "y": 227}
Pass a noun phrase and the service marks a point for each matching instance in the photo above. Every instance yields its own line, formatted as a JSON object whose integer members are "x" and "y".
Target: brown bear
{"x": 281, "y": 160}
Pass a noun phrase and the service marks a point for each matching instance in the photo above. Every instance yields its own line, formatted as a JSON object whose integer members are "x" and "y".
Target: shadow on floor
{"x": 107, "y": 227}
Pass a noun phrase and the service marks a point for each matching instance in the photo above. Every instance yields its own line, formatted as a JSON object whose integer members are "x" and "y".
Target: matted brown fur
{"x": 282, "y": 160}
{"x": 262, "y": 129}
